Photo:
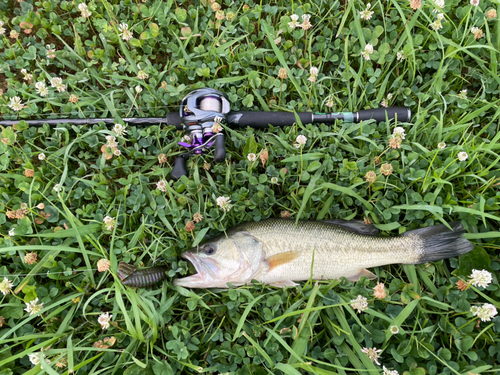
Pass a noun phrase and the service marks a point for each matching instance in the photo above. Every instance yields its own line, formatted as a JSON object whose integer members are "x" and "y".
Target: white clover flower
{"x": 223, "y": 203}
{"x": 27, "y": 76}
{"x": 58, "y": 84}
{"x": 11, "y": 232}
{"x": 294, "y": 22}
{"x": 125, "y": 33}
{"x": 142, "y": 74}
{"x": 86, "y": 13}
{"x": 367, "y": 52}
{"x": 34, "y": 307}
{"x": 109, "y": 222}
{"x": 439, "y": 4}
{"x": 481, "y": 278}
{"x": 399, "y": 132}
{"x": 82, "y": 7}
{"x": 306, "y": 25}
{"x": 6, "y": 286}
{"x": 274, "y": 180}
{"x": 440, "y": 16}
{"x": 217, "y": 127}
{"x": 485, "y": 312}
{"x": 372, "y": 353}
{"x": 251, "y": 157}
{"x": 119, "y": 129}
{"x": 41, "y": 156}
{"x": 462, "y": 156}
{"x": 16, "y": 104}
{"x": 300, "y": 141}
{"x": 437, "y": 25}
{"x": 111, "y": 141}
{"x": 104, "y": 320}
{"x": 478, "y": 33}
{"x": 58, "y": 188}
{"x": 41, "y": 89}
{"x": 314, "y": 73}
{"x": 474, "y": 2}
{"x": 34, "y": 358}
{"x": 2, "y": 30}
{"x": 56, "y": 81}
{"x": 401, "y": 55}
{"x": 138, "y": 89}
{"x": 162, "y": 185}
{"x": 389, "y": 372}
{"x": 329, "y": 102}
{"x": 117, "y": 152}
{"x": 441, "y": 145}
{"x": 360, "y": 303}
{"x": 394, "y": 330}
{"x": 366, "y": 14}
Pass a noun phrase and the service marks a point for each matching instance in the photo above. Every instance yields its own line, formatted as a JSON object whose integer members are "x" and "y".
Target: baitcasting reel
{"x": 202, "y": 112}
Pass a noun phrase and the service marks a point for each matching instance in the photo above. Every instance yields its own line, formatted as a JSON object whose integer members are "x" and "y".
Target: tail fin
{"x": 438, "y": 242}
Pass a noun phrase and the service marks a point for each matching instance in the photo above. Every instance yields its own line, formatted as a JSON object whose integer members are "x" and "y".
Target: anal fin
{"x": 282, "y": 258}
{"x": 362, "y": 272}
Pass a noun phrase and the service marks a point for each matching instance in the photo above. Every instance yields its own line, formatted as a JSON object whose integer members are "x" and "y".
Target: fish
{"x": 280, "y": 252}
{"x": 141, "y": 278}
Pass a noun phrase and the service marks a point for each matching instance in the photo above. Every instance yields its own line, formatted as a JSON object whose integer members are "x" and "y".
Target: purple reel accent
{"x": 198, "y": 141}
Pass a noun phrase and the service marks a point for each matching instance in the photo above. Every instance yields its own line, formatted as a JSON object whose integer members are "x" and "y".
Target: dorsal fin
{"x": 357, "y": 226}
{"x": 125, "y": 270}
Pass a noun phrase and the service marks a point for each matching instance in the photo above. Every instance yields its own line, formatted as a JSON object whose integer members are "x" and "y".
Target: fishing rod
{"x": 203, "y": 111}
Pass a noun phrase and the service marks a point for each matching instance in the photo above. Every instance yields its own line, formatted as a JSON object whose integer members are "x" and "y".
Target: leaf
{"x": 475, "y": 259}
{"x": 251, "y": 146}
{"x": 254, "y": 79}
{"x": 199, "y": 237}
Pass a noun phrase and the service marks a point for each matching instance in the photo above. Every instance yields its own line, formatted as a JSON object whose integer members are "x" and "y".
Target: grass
{"x": 178, "y": 46}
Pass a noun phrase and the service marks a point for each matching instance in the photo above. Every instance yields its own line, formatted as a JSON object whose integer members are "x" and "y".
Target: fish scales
{"x": 279, "y": 252}
{"x": 335, "y": 249}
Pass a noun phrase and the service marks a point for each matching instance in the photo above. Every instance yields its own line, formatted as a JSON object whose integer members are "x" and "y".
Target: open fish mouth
{"x": 205, "y": 272}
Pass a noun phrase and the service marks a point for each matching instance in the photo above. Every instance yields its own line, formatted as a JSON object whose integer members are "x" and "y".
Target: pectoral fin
{"x": 282, "y": 258}
{"x": 284, "y": 283}
{"x": 362, "y": 272}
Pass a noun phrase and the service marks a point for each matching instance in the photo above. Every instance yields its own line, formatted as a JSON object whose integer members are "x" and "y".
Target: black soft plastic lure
{"x": 131, "y": 276}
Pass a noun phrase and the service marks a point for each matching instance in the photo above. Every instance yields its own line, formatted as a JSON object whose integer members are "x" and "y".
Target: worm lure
{"x": 142, "y": 278}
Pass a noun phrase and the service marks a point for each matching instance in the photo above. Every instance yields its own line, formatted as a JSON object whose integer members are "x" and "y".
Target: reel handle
{"x": 220, "y": 149}
{"x": 179, "y": 168}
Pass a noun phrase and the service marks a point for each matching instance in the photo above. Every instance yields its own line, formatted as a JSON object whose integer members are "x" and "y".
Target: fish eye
{"x": 209, "y": 250}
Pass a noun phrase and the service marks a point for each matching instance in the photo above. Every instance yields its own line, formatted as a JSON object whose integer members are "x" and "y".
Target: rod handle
{"x": 403, "y": 114}
{"x": 256, "y": 119}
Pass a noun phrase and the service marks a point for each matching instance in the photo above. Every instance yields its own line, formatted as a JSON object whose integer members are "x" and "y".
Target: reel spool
{"x": 199, "y": 112}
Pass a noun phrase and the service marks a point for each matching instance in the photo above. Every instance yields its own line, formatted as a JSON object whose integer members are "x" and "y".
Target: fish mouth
{"x": 205, "y": 276}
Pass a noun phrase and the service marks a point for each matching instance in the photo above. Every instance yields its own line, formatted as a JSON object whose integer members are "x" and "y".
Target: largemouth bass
{"x": 279, "y": 252}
